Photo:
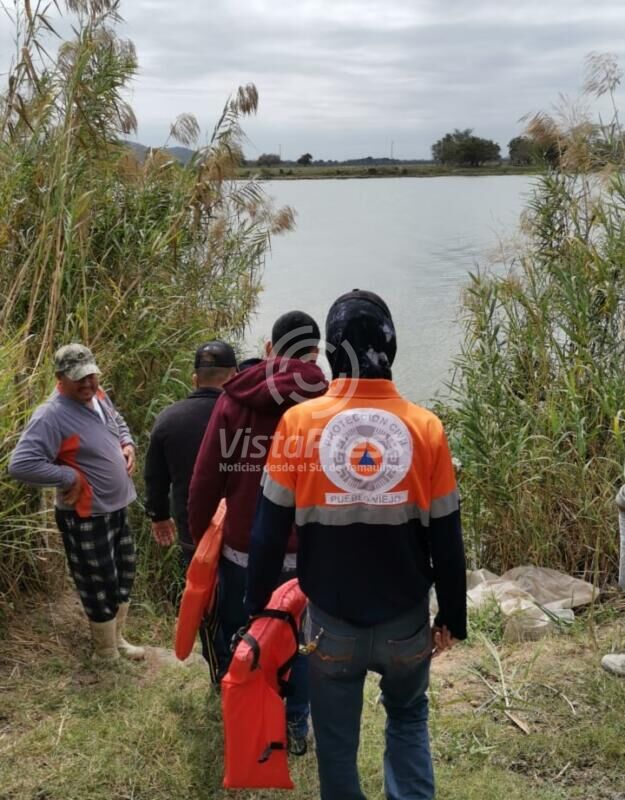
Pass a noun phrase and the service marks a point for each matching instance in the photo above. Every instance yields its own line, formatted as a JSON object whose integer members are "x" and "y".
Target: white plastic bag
{"x": 533, "y": 600}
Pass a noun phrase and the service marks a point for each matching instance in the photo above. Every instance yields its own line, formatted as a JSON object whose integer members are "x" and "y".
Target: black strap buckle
{"x": 244, "y": 635}
{"x": 265, "y": 755}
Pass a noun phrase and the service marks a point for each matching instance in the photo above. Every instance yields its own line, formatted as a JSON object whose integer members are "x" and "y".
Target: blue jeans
{"x": 232, "y": 616}
{"x": 400, "y": 651}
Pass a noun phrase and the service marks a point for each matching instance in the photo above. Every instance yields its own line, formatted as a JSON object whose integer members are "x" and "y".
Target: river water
{"x": 411, "y": 240}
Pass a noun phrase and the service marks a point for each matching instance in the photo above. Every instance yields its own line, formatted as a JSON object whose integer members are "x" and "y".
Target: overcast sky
{"x": 351, "y": 78}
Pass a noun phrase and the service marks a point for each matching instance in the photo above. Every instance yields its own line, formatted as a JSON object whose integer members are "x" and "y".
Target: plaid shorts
{"x": 101, "y": 556}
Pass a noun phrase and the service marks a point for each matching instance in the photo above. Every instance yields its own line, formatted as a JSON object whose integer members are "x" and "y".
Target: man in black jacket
{"x": 174, "y": 443}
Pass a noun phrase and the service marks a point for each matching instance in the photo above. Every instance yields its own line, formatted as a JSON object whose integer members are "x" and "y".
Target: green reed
{"x": 539, "y": 389}
{"x": 139, "y": 260}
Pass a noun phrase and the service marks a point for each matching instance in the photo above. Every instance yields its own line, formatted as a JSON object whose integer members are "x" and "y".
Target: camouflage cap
{"x": 76, "y": 361}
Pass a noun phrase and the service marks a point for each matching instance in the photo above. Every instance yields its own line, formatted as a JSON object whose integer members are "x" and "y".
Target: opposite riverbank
{"x": 296, "y": 172}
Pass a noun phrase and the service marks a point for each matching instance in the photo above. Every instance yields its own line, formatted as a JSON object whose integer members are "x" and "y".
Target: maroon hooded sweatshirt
{"x": 237, "y": 440}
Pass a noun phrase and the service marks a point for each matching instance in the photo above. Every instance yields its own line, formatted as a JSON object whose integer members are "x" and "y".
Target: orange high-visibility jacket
{"x": 368, "y": 479}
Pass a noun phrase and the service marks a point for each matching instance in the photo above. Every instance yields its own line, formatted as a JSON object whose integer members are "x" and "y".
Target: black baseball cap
{"x": 215, "y": 354}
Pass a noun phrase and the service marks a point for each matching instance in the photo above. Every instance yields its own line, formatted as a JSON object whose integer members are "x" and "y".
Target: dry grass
{"x": 69, "y": 732}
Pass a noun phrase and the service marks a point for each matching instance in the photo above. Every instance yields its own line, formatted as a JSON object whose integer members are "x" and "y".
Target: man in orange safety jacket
{"x": 367, "y": 478}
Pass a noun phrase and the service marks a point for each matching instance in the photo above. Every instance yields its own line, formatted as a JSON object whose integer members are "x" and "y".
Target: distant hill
{"x": 181, "y": 154}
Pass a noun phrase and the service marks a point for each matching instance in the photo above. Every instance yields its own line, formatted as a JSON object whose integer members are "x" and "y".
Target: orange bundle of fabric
{"x": 253, "y": 708}
{"x": 200, "y": 588}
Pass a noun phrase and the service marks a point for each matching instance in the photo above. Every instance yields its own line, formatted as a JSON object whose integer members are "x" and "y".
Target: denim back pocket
{"x": 406, "y": 654}
{"x": 333, "y": 654}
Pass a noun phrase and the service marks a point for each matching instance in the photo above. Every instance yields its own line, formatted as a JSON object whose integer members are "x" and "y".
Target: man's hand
{"x": 70, "y": 496}
{"x": 441, "y": 640}
{"x": 164, "y": 532}
{"x": 129, "y": 454}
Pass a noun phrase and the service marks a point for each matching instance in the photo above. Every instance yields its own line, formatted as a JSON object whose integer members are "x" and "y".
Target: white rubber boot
{"x": 104, "y": 641}
{"x": 125, "y": 648}
{"x": 614, "y": 663}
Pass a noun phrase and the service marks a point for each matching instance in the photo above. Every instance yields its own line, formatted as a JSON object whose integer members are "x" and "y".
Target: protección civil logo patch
{"x": 365, "y": 452}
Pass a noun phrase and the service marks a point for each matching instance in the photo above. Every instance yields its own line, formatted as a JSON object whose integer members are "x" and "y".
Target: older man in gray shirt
{"x": 79, "y": 443}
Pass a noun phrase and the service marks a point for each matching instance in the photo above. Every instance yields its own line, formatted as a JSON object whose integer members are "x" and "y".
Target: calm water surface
{"x": 411, "y": 240}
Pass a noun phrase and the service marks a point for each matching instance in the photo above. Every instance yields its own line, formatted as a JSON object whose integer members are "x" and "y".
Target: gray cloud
{"x": 343, "y": 78}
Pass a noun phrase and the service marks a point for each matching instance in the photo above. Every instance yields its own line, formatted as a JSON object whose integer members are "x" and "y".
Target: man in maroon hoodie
{"x": 230, "y": 464}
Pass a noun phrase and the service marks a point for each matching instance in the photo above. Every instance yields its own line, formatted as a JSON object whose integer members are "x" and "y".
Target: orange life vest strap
{"x": 243, "y": 634}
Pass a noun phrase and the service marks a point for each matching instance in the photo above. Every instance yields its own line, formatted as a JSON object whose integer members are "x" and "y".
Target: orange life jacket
{"x": 253, "y": 709}
{"x": 201, "y": 584}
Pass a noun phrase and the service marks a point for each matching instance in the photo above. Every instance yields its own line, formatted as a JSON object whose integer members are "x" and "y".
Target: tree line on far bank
{"x": 462, "y": 148}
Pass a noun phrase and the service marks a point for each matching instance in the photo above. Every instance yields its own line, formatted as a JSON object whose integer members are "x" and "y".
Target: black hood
{"x": 360, "y": 335}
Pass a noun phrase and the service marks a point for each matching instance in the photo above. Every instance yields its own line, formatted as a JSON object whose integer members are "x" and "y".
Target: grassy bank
{"x": 153, "y": 731}
{"x": 295, "y": 172}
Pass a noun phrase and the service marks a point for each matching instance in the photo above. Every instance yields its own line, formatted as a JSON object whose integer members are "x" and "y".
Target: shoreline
{"x": 288, "y": 172}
